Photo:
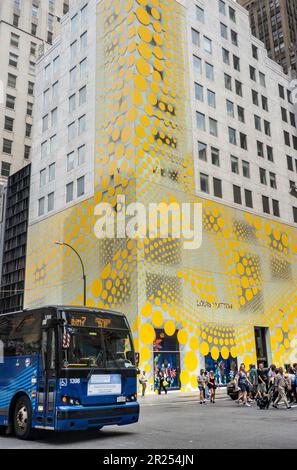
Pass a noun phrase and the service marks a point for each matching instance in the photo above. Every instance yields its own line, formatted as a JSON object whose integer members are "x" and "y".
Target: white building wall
{"x": 62, "y": 49}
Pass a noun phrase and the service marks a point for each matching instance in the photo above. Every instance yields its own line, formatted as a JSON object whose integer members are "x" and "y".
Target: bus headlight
{"x": 70, "y": 401}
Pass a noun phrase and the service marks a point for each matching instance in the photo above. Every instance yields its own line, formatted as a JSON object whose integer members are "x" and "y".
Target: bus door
{"x": 48, "y": 380}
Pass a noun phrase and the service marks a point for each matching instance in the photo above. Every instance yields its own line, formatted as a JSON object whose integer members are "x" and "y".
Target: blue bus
{"x": 66, "y": 368}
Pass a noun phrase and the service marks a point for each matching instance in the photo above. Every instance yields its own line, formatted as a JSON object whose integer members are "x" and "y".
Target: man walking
{"x": 280, "y": 383}
{"x": 143, "y": 381}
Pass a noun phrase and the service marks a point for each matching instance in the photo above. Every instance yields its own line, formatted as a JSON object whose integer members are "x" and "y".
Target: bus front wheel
{"x": 23, "y": 418}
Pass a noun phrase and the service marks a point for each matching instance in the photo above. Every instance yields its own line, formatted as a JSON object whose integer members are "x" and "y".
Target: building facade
{"x": 26, "y": 26}
{"x": 182, "y": 105}
{"x": 275, "y": 24}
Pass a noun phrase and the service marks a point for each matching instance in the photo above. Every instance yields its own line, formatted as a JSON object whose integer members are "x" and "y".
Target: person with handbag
{"x": 212, "y": 385}
{"x": 244, "y": 385}
{"x": 162, "y": 382}
{"x": 143, "y": 382}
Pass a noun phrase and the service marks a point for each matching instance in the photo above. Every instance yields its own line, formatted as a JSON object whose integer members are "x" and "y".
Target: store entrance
{"x": 167, "y": 359}
{"x": 261, "y": 344}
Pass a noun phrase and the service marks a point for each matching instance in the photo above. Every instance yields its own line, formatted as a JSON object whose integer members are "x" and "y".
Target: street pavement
{"x": 178, "y": 421}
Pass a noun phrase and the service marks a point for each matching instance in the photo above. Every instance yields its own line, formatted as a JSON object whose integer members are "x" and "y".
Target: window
{"x": 255, "y": 98}
{"x": 238, "y": 88}
{"x": 44, "y": 149}
{"x": 81, "y": 155}
{"x": 295, "y": 214}
{"x": 232, "y": 136}
{"x": 230, "y": 108}
{"x": 32, "y": 68}
{"x": 7, "y": 146}
{"x": 53, "y": 144}
{"x": 222, "y": 7}
{"x": 246, "y": 169}
{"x": 263, "y": 178}
{"x": 202, "y": 151}
{"x": 272, "y": 178}
{"x": 45, "y": 123}
{"x": 252, "y": 73}
{"x": 27, "y": 152}
{"x": 74, "y": 23}
{"x": 204, "y": 183}
{"x": 47, "y": 72}
{"x": 13, "y": 60}
{"x": 197, "y": 66}
{"x": 70, "y": 161}
{"x": 270, "y": 154}
{"x": 265, "y": 103}
{"x": 28, "y": 129}
{"x": 52, "y": 172}
{"x": 255, "y": 51}
{"x": 213, "y": 127}
{"x": 56, "y": 65}
{"x": 29, "y": 108}
{"x": 248, "y": 198}
{"x": 281, "y": 91}
{"x": 241, "y": 115}
{"x": 226, "y": 56}
{"x": 262, "y": 79}
{"x": 30, "y": 88}
{"x": 11, "y": 80}
{"x": 232, "y": 14}
{"x": 82, "y": 95}
{"x": 72, "y": 103}
{"x": 284, "y": 115}
{"x": 275, "y": 207}
{"x": 84, "y": 14}
{"x": 215, "y": 156}
{"x": 224, "y": 31}
{"x": 8, "y": 123}
{"x": 217, "y": 188}
{"x": 209, "y": 71}
{"x": 199, "y": 92}
{"x": 10, "y": 101}
{"x": 287, "y": 138}
{"x": 260, "y": 149}
{"x": 54, "y": 117}
{"x": 228, "y": 82}
{"x": 82, "y": 124}
{"x": 55, "y": 90}
{"x": 72, "y": 77}
{"x": 257, "y": 120}
{"x": 200, "y": 120}
{"x": 71, "y": 131}
{"x": 243, "y": 141}
{"x": 41, "y": 206}
{"x": 50, "y": 202}
{"x": 83, "y": 69}
{"x": 84, "y": 41}
{"x": 81, "y": 186}
{"x": 46, "y": 96}
{"x": 199, "y": 14}
{"x": 69, "y": 192}
{"x": 236, "y": 63}
{"x": 290, "y": 163}
{"x": 211, "y": 98}
{"x": 267, "y": 128}
{"x": 207, "y": 43}
{"x": 234, "y": 38}
{"x": 292, "y": 119}
{"x": 42, "y": 178}
{"x": 234, "y": 165}
{"x": 14, "y": 40}
{"x": 5, "y": 169}
{"x": 16, "y": 20}
{"x": 195, "y": 37}
{"x": 237, "y": 194}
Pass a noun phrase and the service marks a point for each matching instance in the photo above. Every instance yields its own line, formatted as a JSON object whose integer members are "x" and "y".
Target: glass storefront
{"x": 224, "y": 369}
{"x": 167, "y": 359}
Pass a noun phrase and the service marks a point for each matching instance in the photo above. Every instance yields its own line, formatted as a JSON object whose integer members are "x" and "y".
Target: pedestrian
{"x": 212, "y": 385}
{"x": 244, "y": 385}
{"x": 162, "y": 382}
{"x": 143, "y": 381}
{"x": 290, "y": 376}
{"x": 263, "y": 379}
{"x": 280, "y": 383}
{"x": 295, "y": 382}
{"x": 254, "y": 380}
{"x": 201, "y": 381}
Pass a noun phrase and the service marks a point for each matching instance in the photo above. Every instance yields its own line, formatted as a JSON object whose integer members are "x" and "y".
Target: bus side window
{"x": 44, "y": 348}
{"x": 52, "y": 352}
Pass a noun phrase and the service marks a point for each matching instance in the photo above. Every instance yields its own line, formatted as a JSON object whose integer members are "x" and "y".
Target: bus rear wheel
{"x": 23, "y": 418}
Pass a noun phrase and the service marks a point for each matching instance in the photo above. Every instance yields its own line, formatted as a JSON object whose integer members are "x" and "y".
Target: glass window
{"x": 54, "y": 116}
{"x": 246, "y": 169}
{"x": 226, "y": 56}
{"x": 82, "y": 124}
{"x": 84, "y": 41}
{"x": 262, "y": 79}
{"x": 73, "y": 51}
{"x": 270, "y": 156}
{"x": 195, "y": 37}
{"x": 211, "y": 98}
{"x": 213, "y": 127}
{"x": 204, "y": 183}
{"x": 241, "y": 114}
{"x": 207, "y": 45}
{"x": 81, "y": 154}
{"x": 248, "y": 198}
{"x": 197, "y": 66}
{"x": 222, "y": 7}
{"x": 260, "y": 149}
{"x": 82, "y": 96}
{"x": 234, "y": 38}
{"x": 217, "y": 188}
{"x": 228, "y": 82}
{"x": 72, "y": 103}
{"x": 266, "y": 206}
{"x": 232, "y": 136}
{"x": 257, "y": 120}
{"x": 272, "y": 178}
{"x": 70, "y": 161}
{"x": 71, "y": 131}
{"x": 224, "y": 31}
{"x": 41, "y": 206}
{"x": 72, "y": 77}
{"x": 238, "y": 88}
{"x": 200, "y": 119}
{"x": 44, "y": 149}
{"x": 199, "y": 14}
{"x": 209, "y": 71}
{"x": 81, "y": 186}
{"x": 199, "y": 92}
{"x": 234, "y": 165}
{"x": 69, "y": 192}
{"x": 202, "y": 151}
{"x": 83, "y": 69}
{"x": 45, "y": 122}
{"x": 215, "y": 156}
{"x": 50, "y": 202}
{"x": 237, "y": 194}
{"x": 52, "y": 172}
{"x": 232, "y": 14}
{"x": 263, "y": 178}
{"x": 230, "y": 108}
{"x": 43, "y": 178}
{"x": 53, "y": 144}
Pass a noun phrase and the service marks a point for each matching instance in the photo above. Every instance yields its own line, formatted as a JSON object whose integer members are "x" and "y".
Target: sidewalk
{"x": 177, "y": 396}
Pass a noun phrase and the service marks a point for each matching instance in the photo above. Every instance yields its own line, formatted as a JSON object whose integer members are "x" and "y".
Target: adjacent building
{"x": 164, "y": 101}
{"x": 274, "y": 22}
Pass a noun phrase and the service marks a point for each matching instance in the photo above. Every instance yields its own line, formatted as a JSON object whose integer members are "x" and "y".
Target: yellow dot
{"x": 182, "y": 336}
{"x": 157, "y": 318}
{"x": 147, "y": 309}
{"x": 191, "y": 361}
{"x": 184, "y": 377}
{"x": 143, "y": 16}
{"x": 215, "y": 353}
{"x": 147, "y": 334}
{"x": 194, "y": 343}
{"x": 279, "y": 335}
{"x": 169, "y": 328}
{"x": 143, "y": 67}
{"x": 225, "y": 352}
{"x": 233, "y": 351}
{"x": 145, "y": 353}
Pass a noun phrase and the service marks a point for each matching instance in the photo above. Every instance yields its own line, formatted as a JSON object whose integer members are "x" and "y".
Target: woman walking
{"x": 212, "y": 385}
{"x": 244, "y": 385}
{"x": 201, "y": 380}
{"x": 280, "y": 383}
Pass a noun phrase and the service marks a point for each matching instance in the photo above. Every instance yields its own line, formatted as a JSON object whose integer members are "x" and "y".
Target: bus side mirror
{"x": 137, "y": 359}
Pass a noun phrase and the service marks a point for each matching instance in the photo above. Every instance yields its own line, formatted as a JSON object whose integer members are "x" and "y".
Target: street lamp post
{"x": 83, "y": 268}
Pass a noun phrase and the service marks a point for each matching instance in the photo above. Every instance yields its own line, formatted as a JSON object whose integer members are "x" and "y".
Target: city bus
{"x": 66, "y": 368}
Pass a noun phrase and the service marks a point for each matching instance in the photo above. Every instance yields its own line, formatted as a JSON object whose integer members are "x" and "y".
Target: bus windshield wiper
{"x": 91, "y": 372}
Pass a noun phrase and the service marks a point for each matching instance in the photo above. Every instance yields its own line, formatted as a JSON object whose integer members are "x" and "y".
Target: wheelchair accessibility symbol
{"x": 63, "y": 382}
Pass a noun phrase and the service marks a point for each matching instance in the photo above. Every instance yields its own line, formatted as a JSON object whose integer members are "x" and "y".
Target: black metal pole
{"x": 83, "y": 270}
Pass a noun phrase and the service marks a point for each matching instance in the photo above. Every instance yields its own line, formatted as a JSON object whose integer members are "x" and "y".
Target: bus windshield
{"x": 96, "y": 347}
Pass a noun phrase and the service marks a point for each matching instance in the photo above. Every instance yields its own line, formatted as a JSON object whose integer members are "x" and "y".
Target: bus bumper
{"x": 75, "y": 418}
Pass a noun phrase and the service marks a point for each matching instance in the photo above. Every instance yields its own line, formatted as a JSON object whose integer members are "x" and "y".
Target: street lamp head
{"x": 59, "y": 243}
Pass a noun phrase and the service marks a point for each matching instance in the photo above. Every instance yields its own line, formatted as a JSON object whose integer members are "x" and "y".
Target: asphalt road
{"x": 177, "y": 421}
